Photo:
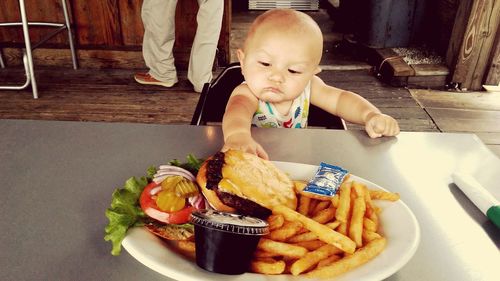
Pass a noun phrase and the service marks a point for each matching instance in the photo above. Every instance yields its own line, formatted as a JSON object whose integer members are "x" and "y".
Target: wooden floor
{"x": 111, "y": 95}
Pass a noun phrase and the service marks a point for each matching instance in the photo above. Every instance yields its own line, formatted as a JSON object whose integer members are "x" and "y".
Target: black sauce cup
{"x": 225, "y": 242}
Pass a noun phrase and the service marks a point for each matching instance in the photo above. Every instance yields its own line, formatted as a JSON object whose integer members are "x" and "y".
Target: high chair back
{"x": 214, "y": 96}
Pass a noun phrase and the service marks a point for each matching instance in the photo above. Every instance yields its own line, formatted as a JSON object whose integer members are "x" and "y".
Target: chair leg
{"x": 2, "y": 64}
{"x": 70, "y": 35}
{"x": 29, "y": 55}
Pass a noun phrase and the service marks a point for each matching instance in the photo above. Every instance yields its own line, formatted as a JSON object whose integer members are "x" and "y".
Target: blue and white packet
{"x": 327, "y": 180}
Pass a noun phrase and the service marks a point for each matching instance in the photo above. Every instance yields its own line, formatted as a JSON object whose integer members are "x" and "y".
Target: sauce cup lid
{"x": 229, "y": 222}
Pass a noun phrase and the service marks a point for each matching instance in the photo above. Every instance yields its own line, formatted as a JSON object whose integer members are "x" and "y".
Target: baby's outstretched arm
{"x": 237, "y": 122}
{"x": 353, "y": 108}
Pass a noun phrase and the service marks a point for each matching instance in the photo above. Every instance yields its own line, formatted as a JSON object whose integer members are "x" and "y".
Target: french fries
{"x": 310, "y": 245}
{"x": 304, "y": 203}
{"x": 324, "y": 233}
{"x": 306, "y": 236}
{"x": 384, "y": 195}
{"x": 186, "y": 245}
{"x": 312, "y": 258}
{"x": 323, "y": 238}
{"x": 349, "y": 262}
{"x": 267, "y": 266}
{"x": 344, "y": 202}
{"x": 331, "y": 259}
{"x": 325, "y": 215}
{"x": 275, "y": 221}
{"x": 356, "y": 226}
{"x": 289, "y": 229}
{"x": 282, "y": 249}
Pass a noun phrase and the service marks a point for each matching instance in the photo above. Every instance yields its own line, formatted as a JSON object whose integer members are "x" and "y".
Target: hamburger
{"x": 163, "y": 201}
{"x": 243, "y": 183}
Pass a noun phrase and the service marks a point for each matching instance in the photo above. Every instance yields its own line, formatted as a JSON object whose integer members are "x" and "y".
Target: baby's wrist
{"x": 237, "y": 134}
{"x": 370, "y": 115}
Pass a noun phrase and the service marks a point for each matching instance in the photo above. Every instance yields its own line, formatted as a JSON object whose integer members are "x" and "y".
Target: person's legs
{"x": 202, "y": 56}
{"x": 158, "y": 17}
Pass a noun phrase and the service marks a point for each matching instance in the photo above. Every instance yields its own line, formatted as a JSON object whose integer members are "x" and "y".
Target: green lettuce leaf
{"x": 125, "y": 211}
{"x": 193, "y": 164}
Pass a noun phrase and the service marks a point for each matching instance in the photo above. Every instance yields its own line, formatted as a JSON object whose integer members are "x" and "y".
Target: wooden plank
{"x": 457, "y": 100}
{"x": 400, "y": 67}
{"x": 51, "y": 12}
{"x": 429, "y": 82}
{"x": 46, "y": 106}
{"x": 490, "y": 31}
{"x": 406, "y": 125}
{"x": 478, "y": 40}
{"x": 9, "y": 12}
{"x": 495, "y": 149}
{"x": 489, "y": 137}
{"x": 432, "y": 76}
{"x": 391, "y": 64}
{"x": 82, "y": 79}
{"x": 400, "y": 102}
{"x": 493, "y": 77}
{"x": 130, "y": 20}
{"x": 90, "y": 58}
{"x": 430, "y": 69}
{"x": 98, "y": 23}
{"x": 104, "y": 102}
{"x": 458, "y": 32}
{"x": 158, "y": 118}
{"x": 465, "y": 120}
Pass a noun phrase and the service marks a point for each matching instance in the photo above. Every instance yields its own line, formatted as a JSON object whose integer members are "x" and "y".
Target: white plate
{"x": 400, "y": 227}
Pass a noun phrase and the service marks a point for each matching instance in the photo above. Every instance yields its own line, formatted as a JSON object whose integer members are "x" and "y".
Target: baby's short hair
{"x": 285, "y": 20}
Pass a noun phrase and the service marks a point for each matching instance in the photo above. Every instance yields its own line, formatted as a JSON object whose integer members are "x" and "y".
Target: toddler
{"x": 279, "y": 61}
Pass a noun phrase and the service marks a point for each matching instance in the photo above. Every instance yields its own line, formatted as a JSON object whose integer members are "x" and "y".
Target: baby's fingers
{"x": 373, "y": 129}
{"x": 389, "y": 126}
{"x": 382, "y": 125}
{"x": 261, "y": 152}
{"x": 393, "y": 129}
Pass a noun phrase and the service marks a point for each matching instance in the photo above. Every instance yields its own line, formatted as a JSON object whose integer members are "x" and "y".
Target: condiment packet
{"x": 326, "y": 182}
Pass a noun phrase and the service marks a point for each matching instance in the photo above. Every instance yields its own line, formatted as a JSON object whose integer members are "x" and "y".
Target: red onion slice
{"x": 167, "y": 170}
{"x": 155, "y": 190}
{"x": 174, "y": 168}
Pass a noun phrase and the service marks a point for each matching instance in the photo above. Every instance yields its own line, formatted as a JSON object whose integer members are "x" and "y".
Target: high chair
{"x": 27, "y": 53}
{"x": 214, "y": 96}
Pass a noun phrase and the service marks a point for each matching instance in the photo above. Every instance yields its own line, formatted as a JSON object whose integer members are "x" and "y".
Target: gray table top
{"x": 57, "y": 180}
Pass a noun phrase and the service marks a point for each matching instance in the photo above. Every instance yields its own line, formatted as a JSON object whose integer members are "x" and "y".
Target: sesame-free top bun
{"x": 250, "y": 177}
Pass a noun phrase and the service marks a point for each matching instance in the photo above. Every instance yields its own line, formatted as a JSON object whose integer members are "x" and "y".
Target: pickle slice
{"x": 168, "y": 201}
{"x": 169, "y": 183}
{"x": 186, "y": 189}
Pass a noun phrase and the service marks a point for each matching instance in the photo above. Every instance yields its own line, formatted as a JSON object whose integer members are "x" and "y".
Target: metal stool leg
{"x": 29, "y": 55}
{"x": 70, "y": 34}
{"x": 2, "y": 64}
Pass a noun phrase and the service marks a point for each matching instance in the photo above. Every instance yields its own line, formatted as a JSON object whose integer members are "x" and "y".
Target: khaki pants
{"x": 158, "y": 17}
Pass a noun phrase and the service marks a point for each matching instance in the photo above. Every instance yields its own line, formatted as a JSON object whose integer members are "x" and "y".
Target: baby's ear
{"x": 317, "y": 70}
{"x": 241, "y": 56}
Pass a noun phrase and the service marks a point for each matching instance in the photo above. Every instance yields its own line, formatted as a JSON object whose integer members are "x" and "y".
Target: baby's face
{"x": 277, "y": 66}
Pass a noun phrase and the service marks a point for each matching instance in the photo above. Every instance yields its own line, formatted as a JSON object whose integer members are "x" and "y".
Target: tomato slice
{"x": 148, "y": 205}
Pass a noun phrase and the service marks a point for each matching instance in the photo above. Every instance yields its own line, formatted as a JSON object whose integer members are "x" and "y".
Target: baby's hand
{"x": 379, "y": 124}
{"x": 244, "y": 142}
